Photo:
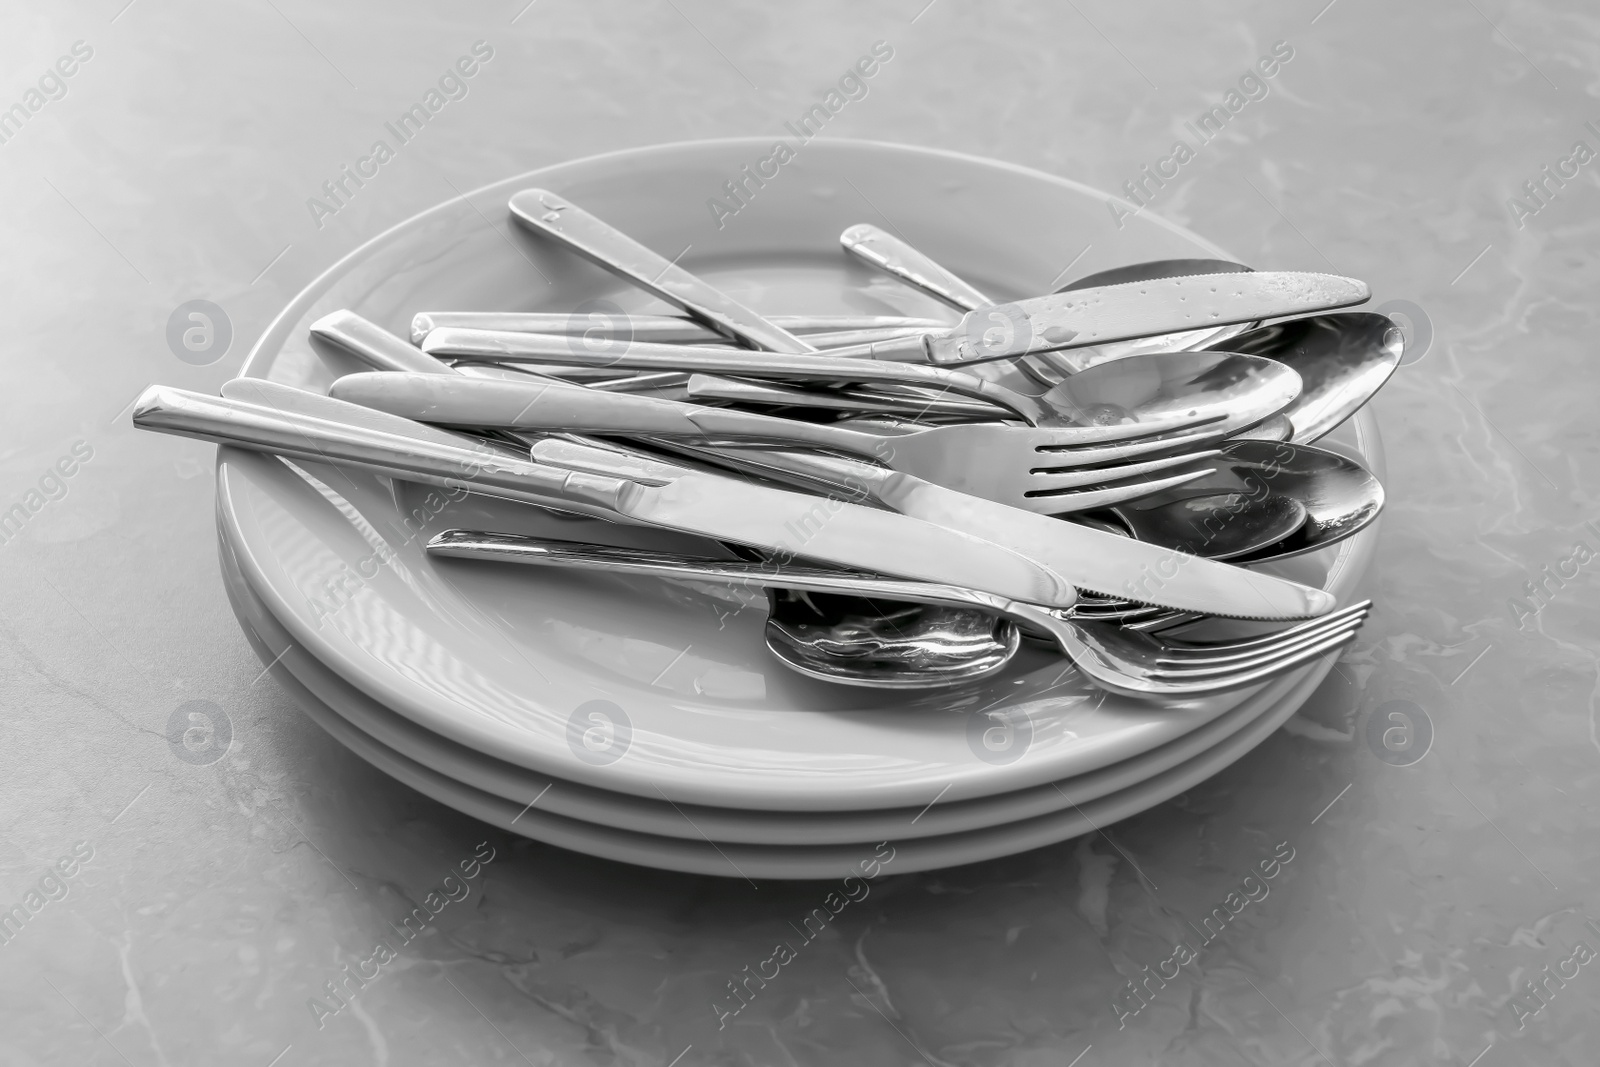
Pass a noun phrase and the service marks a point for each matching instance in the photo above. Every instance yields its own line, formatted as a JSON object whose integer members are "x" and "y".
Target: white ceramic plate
{"x": 309, "y": 681}
{"x": 624, "y": 812}
{"x": 510, "y": 664}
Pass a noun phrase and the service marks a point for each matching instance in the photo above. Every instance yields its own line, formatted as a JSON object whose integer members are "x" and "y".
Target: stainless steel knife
{"x": 1082, "y": 318}
{"x": 1090, "y": 559}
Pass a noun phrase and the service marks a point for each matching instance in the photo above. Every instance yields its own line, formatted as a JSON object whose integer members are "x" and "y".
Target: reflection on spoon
{"x": 886, "y": 644}
{"x": 1342, "y": 360}
{"x": 1216, "y": 524}
{"x": 1332, "y": 496}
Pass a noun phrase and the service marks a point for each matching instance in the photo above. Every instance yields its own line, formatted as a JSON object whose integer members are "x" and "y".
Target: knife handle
{"x": 373, "y": 345}
{"x": 554, "y": 216}
{"x": 895, "y": 257}
{"x": 552, "y": 407}
{"x": 412, "y": 457}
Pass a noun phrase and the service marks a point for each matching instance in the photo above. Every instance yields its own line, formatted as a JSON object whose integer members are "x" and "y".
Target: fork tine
{"x": 1191, "y": 658}
{"x": 1064, "y": 457}
{"x": 1086, "y": 499}
{"x": 1230, "y": 664}
{"x": 1255, "y": 674}
{"x": 1310, "y": 627}
{"x": 1048, "y": 485}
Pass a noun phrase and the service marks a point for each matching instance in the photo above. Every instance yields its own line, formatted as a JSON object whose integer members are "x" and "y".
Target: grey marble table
{"x": 1437, "y": 798}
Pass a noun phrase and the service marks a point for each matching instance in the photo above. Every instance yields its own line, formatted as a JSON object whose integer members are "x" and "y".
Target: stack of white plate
{"x": 644, "y": 720}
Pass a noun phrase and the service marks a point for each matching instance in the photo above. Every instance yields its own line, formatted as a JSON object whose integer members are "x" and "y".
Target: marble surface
{"x": 1424, "y": 819}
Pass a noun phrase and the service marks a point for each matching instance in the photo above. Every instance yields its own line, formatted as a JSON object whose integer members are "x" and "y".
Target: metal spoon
{"x": 1232, "y": 391}
{"x": 1265, "y": 501}
{"x": 1343, "y": 360}
{"x": 886, "y": 644}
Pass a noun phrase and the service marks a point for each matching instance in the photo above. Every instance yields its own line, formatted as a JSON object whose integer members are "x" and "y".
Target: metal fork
{"x": 1123, "y": 662}
{"x": 1025, "y": 467}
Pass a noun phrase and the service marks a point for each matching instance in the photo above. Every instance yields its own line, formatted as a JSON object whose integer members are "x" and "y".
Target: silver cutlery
{"x": 1099, "y": 561}
{"x": 1343, "y": 360}
{"x": 714, "y": 387}
{"x": 680, "y": 329}
{"x": 280, "y": 419}
{"x": 1093, "y": 560}
{"x": 1087, "y": 318}
{"x": 552, "y": 215}
{"x": 901, "y": 260}
{"x": 1016, "y": 465}
{"x": 1264, "y": 501}
{"x": 1313, "y": 498}
{"x": 1076, "y": 319}
{"x": 1130, "y": 663}
{"x": 1229, "y": 391}
{"x": 386, "y": 352}
{"x": 504, "y": 346}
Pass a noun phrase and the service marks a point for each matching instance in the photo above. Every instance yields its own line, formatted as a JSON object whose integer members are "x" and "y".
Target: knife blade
{"x": 792, "y": 525}
{"x": 1090, "y": 559}
{"x": 1082, "y": 318}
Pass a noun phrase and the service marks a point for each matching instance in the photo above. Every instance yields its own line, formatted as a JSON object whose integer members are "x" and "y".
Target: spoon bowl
{"x": 1227, "y": 391}
{"x": 886, "y": 644}
{"x": 1310, "y": 497}
{"x": 1342, "y": 361}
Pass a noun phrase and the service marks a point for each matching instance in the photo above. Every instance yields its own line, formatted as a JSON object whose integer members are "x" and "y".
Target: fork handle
{"x": 897, "y": 258}
{"x": 558, "y": 408}
{"x": 605, "y": 246}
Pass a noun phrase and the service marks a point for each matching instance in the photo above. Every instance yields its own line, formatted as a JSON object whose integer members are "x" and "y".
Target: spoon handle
{"x": 893, "y": 256}
{"x": 554, "y": 216}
